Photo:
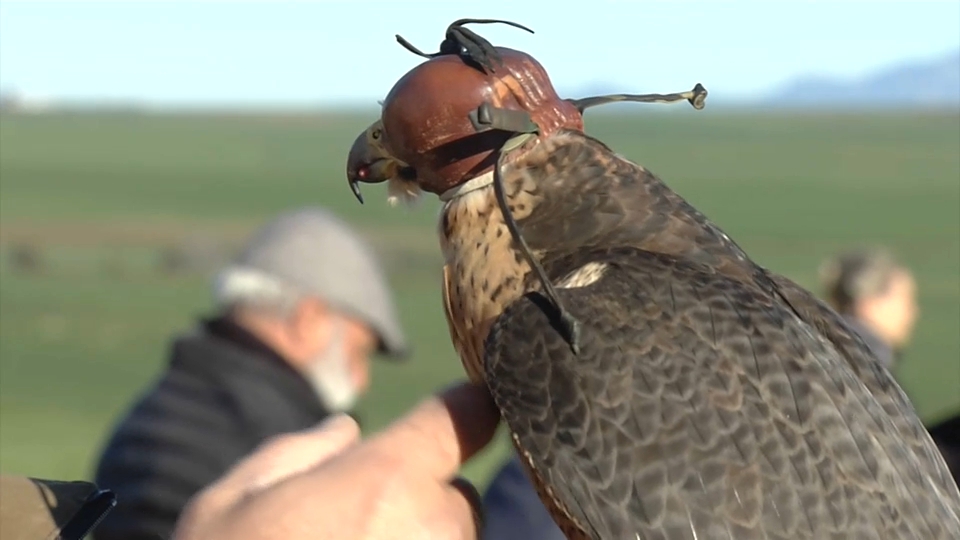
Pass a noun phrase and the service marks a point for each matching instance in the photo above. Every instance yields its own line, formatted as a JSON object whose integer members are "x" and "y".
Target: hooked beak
{"x": 379, "y": 170}
{"x": 370, "y": 162}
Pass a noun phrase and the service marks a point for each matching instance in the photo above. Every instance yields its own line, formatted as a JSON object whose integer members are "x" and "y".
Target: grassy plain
{"x": 101, "y": 198}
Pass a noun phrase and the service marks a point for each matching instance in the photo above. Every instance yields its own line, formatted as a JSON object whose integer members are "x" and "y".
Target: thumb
{"x": 442, "y": 432}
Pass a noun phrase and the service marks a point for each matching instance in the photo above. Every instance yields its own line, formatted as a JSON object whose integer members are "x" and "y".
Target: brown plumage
{"x": 718, "y": 399}
{"x": 710, "y": 398}
{"x": 484, "y": 273}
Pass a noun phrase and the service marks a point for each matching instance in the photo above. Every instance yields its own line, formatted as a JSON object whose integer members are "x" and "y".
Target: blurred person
{"x": 298, "y": 314}
{"x": 325, "y": 483}
{"x": 876, "y": 295}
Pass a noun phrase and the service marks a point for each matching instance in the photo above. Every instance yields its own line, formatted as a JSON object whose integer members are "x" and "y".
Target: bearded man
{"x": 299, "y": 314}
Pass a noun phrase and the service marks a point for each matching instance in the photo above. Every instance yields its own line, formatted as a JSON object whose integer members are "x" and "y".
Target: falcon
{"x": 656, "y": 381}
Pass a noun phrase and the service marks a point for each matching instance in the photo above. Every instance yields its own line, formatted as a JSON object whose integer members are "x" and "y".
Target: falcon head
{"x": 445, "y": 120}
{"x": 369, "y": 161}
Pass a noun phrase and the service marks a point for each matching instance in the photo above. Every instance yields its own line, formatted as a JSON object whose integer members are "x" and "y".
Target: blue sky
{"x": 344, "y": 51}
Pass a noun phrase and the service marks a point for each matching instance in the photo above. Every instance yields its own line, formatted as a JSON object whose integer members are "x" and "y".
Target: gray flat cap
{"x": 318, "y": 254}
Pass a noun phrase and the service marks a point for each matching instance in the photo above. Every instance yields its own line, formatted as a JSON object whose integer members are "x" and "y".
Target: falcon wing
{"x": 607, "y": 200}
{"x": 701, "y": 407}
{"x": 617, "y": 202}
{"x": 875, "y": 377}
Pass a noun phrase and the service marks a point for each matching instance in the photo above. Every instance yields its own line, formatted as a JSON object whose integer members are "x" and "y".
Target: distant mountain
{"x": 920, "y": 83}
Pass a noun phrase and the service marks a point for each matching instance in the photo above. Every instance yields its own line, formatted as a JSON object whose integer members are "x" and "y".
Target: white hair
{"x": 248, "y": 288}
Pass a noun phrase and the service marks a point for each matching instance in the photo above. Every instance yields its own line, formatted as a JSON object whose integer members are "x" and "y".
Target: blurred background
{"x": 141, "y": 142}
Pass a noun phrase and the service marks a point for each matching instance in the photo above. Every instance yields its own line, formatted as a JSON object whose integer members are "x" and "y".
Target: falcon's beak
{"x": 370, "y": 162}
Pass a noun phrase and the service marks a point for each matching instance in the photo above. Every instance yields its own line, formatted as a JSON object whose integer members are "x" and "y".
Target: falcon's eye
{"x": 375, "y": 134}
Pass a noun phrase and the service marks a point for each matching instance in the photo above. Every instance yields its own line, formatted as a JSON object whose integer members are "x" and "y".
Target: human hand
{"x": 325, "y": 483}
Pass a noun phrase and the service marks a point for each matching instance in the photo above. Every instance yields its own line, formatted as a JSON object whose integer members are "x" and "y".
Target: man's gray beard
{"x": 329, "y": 373}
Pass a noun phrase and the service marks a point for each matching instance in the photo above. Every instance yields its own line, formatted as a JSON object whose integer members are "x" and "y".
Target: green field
{"x": 102, "y": 200}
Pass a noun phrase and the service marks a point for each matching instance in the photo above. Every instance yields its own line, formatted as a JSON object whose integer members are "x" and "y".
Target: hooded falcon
{"x": 656, "y": 382}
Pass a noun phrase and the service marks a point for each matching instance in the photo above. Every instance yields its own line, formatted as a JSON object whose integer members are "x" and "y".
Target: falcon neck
{"x": 485, "y": 273}
{"x": 474, "y": 184}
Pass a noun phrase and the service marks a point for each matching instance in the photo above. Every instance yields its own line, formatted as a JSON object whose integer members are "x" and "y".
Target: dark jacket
{"x": 947, "y": 436}
{"x": 512, "y": 509}
{"x": 222, "y": 394}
